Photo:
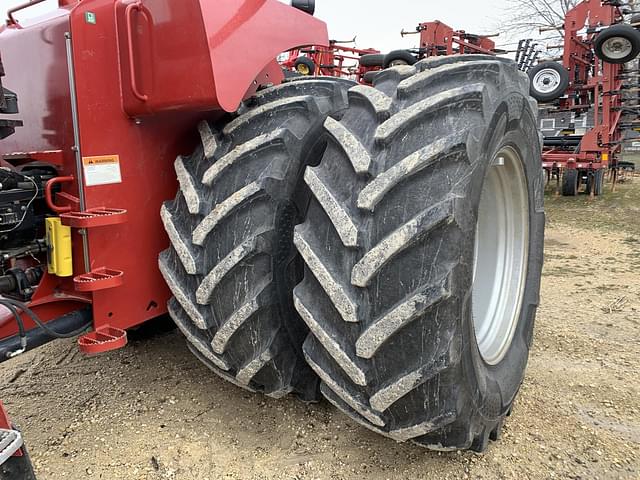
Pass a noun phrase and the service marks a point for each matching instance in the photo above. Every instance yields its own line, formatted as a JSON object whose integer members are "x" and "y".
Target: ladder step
{"x": 98, "y": 279}
{"x": 102, "y": 340}
{"x": 95, "y": 217}
{"x": 10, "y": 443}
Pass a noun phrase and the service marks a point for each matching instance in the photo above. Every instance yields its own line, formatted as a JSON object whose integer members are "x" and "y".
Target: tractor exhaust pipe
{"x": 307, "y": 6}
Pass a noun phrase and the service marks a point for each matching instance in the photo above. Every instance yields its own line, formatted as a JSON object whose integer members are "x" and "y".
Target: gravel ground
{"x": 151, "y": 411}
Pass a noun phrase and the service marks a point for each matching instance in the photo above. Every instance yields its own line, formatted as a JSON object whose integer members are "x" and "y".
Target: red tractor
{"x": 589, "y": 98}
{"x": 380, "y": 246}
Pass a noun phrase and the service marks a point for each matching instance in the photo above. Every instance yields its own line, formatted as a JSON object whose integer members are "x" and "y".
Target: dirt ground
{"x": 152, "y": 411}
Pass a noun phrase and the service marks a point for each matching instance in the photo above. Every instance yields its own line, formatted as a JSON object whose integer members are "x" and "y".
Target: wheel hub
{"x": 546, "y": 80}
{"x": 617, "y": 47}
{"x": 398, "y": 63}
{"x": 303, "y": 69}
{"x": 501, "y": 254}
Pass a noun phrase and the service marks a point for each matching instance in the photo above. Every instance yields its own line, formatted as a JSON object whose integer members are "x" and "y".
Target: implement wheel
{"x": 232, "y": 265}
{"x": 372, "y": 60}
{"x": 305, "y": 66}
{"x": 618, "y": 44}
{"x": 549, "y": 80}
{"x": 570, "y": 182}
{"x": 423, "y": 251}
{"x": 399, "y": 58}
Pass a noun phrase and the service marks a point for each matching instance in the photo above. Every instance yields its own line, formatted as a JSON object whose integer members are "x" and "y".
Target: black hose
{"x": 16, "y": 315}
{"x": 41, "y": 324}
{"x": 37, "y": 337}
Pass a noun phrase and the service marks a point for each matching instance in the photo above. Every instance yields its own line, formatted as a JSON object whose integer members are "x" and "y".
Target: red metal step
{"x": 95, "y": 217}
{"x": 103, "y": 339}
{"x": 98, "y": 279}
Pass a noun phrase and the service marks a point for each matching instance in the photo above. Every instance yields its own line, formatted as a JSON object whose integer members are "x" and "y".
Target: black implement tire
{"x": 591, "y": 179}
{"x": 599, "y": 182}
{"x": 370, "y": 76}
{"x": 635, "y": 20}
{"x": 305, "y": 66}
{"x": 595, "y": 182}
{"x": 232, "y": 265}
{"x": 372, "y": 60}
{"x": 389, "y": 250}
{"x": 552, "y": 74}
{"x": 617, "y": 44}
{"x": 570, "y": 182}
{"x": 399, "y": 57}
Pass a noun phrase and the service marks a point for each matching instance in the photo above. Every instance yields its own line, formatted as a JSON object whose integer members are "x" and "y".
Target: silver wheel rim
{"x": 398, "y": 63}
{"x": 500, "y": 257}
{"x": 546, "y": 80}
{"x": 617, "y": 47}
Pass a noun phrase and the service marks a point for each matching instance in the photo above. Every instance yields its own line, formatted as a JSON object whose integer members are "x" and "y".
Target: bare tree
{"x": 527, "y": 16}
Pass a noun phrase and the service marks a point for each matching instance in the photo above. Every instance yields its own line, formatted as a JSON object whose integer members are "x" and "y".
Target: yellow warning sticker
{"x": 102, "y": 170}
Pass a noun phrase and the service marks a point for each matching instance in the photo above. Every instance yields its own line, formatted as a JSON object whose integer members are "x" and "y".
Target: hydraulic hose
{"x": 41, "y": 324}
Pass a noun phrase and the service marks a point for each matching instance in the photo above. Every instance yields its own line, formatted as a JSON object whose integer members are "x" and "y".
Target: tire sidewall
{"x": 372, "y": 60}
{"x": 492, "y": 388}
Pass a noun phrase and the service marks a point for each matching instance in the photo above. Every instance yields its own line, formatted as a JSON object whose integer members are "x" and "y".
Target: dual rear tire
{"x": 231, "y": 266}
{"x": 409, "y": 325}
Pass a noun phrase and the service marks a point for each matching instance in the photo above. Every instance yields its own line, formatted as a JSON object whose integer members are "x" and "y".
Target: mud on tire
{"x": 232, "y": 265}
{"x": 389, "y": 250}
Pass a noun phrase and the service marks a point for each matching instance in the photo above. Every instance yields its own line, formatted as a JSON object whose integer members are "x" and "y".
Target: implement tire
{"x": 232, "y": 265}
{"x": 389, "y": 245}
{"x": 372, "y": 60}
{"x": 570, "y": 182}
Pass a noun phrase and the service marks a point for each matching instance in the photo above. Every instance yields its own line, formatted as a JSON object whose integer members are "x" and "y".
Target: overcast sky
{"x": 377, "y": 23}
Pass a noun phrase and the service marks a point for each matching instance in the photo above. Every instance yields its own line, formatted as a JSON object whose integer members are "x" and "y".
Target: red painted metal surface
{"x": 102, "y": 340}
{"x": 197, "y": 55}
{"x": 333, "y": 60}
{"x": 95, "y": 217}
{"x": 5, "y": 422}
{"x": 101, "y": 278}
{"x": 437, "y": 38}
{"x": 48, "y": 193}
{"x": 590, "y": 78}
{"x": 191, "y": 59}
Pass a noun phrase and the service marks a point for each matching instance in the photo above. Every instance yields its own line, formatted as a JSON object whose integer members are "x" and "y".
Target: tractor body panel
{"x": 202, "y": 55}
{"x": 36, "y": 70}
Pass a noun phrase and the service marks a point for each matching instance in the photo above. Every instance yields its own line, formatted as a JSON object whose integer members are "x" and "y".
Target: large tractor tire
{"x": 232, "y": 265}
{"x": 433, "y": 177}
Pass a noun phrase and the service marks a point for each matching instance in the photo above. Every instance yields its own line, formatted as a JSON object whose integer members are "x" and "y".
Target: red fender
{"x": 245, "y": 36}
{"x": 199, "y": 54}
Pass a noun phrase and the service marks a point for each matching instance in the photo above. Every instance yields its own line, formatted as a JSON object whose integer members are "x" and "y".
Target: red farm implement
{"x": 283, "y": 223}
{"x": 437, "y": 38}
{"x": 588, "y": 97}
{"x": 338, "y": 60}
{"x": 334, "y": 60}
